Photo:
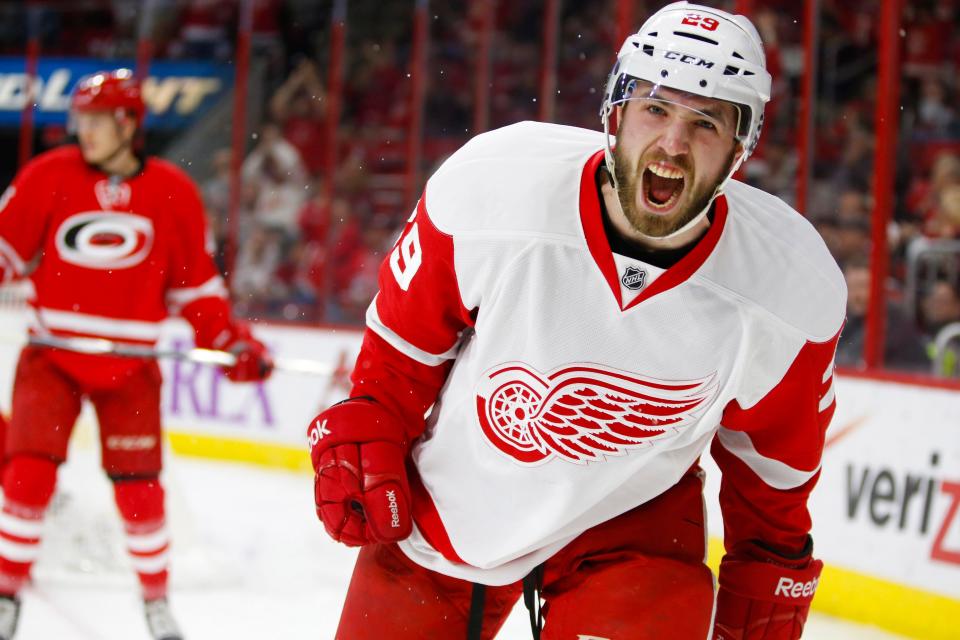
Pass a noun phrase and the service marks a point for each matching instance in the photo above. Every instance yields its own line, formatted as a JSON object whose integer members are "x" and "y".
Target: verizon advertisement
{"x": 888, "y": 499}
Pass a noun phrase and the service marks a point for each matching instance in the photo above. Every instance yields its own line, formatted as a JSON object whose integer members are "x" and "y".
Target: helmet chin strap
{"x": 611, "y": 163}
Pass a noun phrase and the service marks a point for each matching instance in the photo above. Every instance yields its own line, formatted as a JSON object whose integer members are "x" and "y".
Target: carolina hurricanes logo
{"x": 112, "y": 194}
{"x": 583, "y": 412}
{"x": 104, "y": 239}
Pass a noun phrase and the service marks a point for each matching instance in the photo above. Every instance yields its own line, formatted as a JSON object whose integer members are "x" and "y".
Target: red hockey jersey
{"x": 108, "y": 257}
{"x": 572, "y": 383}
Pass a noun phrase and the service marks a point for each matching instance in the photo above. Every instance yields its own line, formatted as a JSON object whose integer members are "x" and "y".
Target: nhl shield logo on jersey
{"x": 104, "y": 240}
{"x": 583, "y": 412}
{"x": 112, "y": 194}
{"x": 633, "y": 278}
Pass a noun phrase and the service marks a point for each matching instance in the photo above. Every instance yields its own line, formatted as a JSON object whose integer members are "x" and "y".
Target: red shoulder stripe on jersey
{"x": 753, "y": 510}
{"x": 789, "y": 423}
{"x": 599, "y": 246}
{"x": 378, "y": 369}
{"x": 419, "y": 298}
{"x": 786, "y": 427}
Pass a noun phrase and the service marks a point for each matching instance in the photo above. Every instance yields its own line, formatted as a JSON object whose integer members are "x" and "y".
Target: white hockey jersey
{"x": 573, "y": 384}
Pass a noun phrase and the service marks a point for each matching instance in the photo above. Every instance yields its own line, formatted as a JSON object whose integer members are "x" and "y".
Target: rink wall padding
{"x": 277, "y": 456}
{"x": 886, "y": 510}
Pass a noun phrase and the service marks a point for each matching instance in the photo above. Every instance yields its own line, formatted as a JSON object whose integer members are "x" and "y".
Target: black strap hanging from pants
{"x": 532, "y": 587}
{"x": 475, "y": 621}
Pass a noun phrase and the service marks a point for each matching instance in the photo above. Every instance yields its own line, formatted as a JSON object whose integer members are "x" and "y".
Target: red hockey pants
{"x": 47, "y": 401}
{"x": 638, "y": 576}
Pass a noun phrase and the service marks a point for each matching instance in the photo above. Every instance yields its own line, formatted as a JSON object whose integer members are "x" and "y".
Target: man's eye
{"x": 706, "y": 124}
{"x": 656, "y": 110}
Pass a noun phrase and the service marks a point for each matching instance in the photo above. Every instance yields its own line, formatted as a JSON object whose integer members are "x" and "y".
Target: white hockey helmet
{"x": 700, "y": 50}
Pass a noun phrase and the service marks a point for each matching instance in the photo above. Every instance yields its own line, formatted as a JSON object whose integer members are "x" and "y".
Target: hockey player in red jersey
{"x": 112, "y": 243}
{"x": 579, "y": 318}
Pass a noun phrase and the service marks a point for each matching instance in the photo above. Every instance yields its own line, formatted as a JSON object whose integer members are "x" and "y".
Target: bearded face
{"x": 672, "y": 153}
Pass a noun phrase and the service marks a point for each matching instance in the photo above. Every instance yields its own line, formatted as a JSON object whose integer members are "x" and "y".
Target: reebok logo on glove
{"x": 761, "y": 598}
{"x": 317, "y": 432}
{"x": 394, "y": 509}
{"x": 794, "y": 588}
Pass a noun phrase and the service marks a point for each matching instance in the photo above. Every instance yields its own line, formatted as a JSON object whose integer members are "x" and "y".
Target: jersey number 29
{"x": 406, "y": 258}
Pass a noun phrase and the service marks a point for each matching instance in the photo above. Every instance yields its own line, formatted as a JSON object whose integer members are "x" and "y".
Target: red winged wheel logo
{"x": 583, "y": 412}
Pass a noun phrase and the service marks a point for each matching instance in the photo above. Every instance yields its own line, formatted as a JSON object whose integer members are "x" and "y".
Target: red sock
{"x": 28, "y": 484}
{"x": 140, "y": 502}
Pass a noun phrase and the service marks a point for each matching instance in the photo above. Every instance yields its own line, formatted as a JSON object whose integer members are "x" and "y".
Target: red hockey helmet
{"x": 109, "y": 91}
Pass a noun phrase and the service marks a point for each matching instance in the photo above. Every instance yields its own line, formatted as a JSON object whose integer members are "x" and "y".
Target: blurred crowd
{"x": 312, "y": 235}
{"x": 923, "y": 288}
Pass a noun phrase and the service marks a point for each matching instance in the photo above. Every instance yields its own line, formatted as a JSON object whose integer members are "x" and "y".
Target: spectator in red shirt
{"x": 314, "y": 216}
{"x": 298, "y": 105}
{"x": 926, "y": 39}
{"x": 363, "y": 264}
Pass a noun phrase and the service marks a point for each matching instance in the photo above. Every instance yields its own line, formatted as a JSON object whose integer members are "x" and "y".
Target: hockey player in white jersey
{"x": 579, "y": 317}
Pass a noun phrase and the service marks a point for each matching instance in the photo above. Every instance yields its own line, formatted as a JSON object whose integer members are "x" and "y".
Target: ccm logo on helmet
{"x": 793, "y": 589}
{"x": 686, "y": 58}
{"x": 104, "y": 239}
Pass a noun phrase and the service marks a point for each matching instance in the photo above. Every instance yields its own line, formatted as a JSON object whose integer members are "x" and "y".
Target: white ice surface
{"x": 251, "y": 562}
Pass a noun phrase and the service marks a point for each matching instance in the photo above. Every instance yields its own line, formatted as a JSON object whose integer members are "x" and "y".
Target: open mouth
{"x": 662, "y": 186}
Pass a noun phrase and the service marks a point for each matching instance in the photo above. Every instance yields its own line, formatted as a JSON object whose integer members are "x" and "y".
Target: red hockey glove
{"x": 358, "y": 450}
{"x": 764, "y": 596}
{"x": 253, "y": 359}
